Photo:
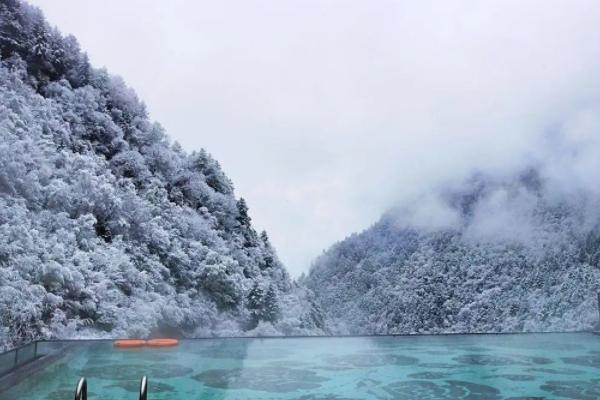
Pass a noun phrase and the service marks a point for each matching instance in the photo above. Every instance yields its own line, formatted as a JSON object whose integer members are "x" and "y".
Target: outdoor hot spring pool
{"x": 486, "y": 367}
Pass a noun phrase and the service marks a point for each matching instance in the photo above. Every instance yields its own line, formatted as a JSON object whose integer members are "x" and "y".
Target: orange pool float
{"x": 162, "y": 342}
{"x": 128, "y": 343}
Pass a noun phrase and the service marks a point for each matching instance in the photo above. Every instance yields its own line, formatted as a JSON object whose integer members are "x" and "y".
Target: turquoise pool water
{"x": 471, "y": 367}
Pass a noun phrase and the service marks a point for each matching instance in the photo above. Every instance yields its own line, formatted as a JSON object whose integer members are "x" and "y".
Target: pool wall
{"x": 23, "y": 361}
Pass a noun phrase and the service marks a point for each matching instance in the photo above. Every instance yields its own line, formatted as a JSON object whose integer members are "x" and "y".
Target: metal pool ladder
{"x": 81, "y": 389}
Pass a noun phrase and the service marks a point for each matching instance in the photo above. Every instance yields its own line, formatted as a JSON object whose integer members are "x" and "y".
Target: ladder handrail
{"x": 81, "y": 389}
{"x": 144, "y": 388}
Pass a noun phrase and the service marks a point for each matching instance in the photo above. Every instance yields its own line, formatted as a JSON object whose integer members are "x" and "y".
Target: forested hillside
{"x": 520, "y": 252}
{"x": 106, "y": 227}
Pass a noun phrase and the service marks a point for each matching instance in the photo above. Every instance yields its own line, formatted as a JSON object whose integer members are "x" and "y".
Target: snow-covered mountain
{"x": 518, "y": 252}
{"x": 106, "y": 227}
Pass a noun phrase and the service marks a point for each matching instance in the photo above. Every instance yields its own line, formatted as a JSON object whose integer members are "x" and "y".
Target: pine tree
{"x": 269, "y": 253}
{"x": 244, "y": 221}
{"x": 271, "y": 311}
{"x": 254, "y": 303}
{"x": 255, "y": 297}
{"x": 243, "y": 218}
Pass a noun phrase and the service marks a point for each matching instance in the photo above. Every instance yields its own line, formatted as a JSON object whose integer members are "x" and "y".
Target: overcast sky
{"x": 326, "y": 113}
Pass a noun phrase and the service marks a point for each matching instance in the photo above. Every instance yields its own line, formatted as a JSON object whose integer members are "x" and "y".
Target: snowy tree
{"x": 106, "y": 228}
{"x": 536, "y": 271}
